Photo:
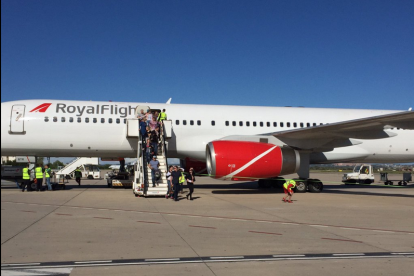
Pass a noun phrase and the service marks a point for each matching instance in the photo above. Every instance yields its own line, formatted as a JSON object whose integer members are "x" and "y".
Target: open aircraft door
{"x": 17, "y": 119}
{"x": 141, "y": 107}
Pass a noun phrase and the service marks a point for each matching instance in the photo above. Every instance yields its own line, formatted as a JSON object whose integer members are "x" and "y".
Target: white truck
{"x": 362, "y": 174}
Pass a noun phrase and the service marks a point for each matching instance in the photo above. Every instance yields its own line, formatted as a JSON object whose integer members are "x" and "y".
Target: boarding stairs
{"x": 142, "y": 185}
{"x": 79, "y": 162}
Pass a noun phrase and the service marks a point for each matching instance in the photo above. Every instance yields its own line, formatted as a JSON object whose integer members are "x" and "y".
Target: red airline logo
{"x": 41, "y": 108}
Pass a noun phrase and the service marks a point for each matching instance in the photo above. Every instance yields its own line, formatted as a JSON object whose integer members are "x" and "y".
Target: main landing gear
{"x": 302, "y": 186}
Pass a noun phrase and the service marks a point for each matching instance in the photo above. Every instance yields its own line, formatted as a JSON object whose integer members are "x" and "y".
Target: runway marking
{"x": 63, "y": 214}
{"x": 287, "y": 256}
{"x": 195, "y": 226}
{"x": 6, "y": 265}
{"x": 151, "y": 222}
{"x": 211, "y": 259}
{"x": 349, "y": 254}
{"x": 28, "y": 211}
{"x": 161, "y": 260}
{"x": 93, "y": 262}
{"x": 256, "y": 232}
{"x": 381, "y": 231}
{"x": 216, "y": 217}
{"x": 227, "y": 258}
{"x": 101, "y": 218}
{"x": 407, "y": 253}
{"x": 340, "y": 240}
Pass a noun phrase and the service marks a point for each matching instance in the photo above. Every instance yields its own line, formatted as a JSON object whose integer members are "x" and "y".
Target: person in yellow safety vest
{"x": 78, "y": 176}
{"x": 39, "y": 177}
{"x": 26, "y": 178}
{"x": 48, "y": 172}
{"x": 182, "y": 180}
{"x": 287, "y": 188}
{"x": 162, "y": 116}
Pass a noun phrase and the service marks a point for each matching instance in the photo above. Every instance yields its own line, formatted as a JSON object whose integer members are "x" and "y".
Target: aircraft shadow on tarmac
{"x": 251, "y": 188}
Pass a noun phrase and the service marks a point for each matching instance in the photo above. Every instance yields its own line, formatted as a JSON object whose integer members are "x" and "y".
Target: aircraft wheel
{"x": 390, "y": 183}
{"x": 315, "y": 185}
{"x": 399, "y": 183}
{"x": 386, "y": 183}
{"x": 301, "y": 186}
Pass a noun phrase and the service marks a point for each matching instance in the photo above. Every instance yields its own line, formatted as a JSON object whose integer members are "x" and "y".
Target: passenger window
{"x": 254, "y": 124}
{"x": 275, "y": 124}
{"x": 79, "y": 120}
{"x": 321, "y": 124}
{"x": 86, "y": 120}
{"x": 55, "y": 119}
{"x": 185, "y": 122}
{"x": 199, "y": 123}
{"x": 295, "y": 125}
{"x": 247, "y": 124}
{"x": 71, "y": 120}
{"x": 227, "y": 123}
{"x": 95, "y": 120}
{"x": 282, "y": 124}
{"x": 213, "y": 123}
{"x": 191, "y": 122}
{"x": 118, "y": 121}
{"x": 125, "y": 120}
{"x": 301, "y": 124}
{"x": 102, "y": 120}
{"x": 46, "y": 119}
{"x": 261, "y": 124}
{"x": 177, "y": 122}
{"x": 314, "y": 124}
{"x": 240, "y": 123}
{"x": 110, "y": 120}
{"x": 268, "y": 124}
{"x": 288, "y": 124}
{"x": 234, "y": 123}
{"x": 63, "y": 119}
{"x": 308, "y": 124}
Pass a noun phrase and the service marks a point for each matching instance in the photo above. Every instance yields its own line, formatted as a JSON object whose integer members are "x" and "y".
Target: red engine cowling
{"x": 241, "y": 160}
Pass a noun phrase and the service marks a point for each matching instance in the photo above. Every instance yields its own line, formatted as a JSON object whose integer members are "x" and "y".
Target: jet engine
{"x": 241, "y": 160}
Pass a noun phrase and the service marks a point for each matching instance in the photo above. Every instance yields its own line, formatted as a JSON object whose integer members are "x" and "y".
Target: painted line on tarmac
{"x": 205, "y": 227}
{"x": 266, "y": 233}
{"x": 224, "y": 218}
{"x": 341, "y": 240}
{"x": 210, "y": 259}
{"x": 149, "y": 222}
{"x": 102, "y": 218}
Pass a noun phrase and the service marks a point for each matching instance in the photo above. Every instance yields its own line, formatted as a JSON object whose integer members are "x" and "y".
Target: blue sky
{"x": 342, "y": 54}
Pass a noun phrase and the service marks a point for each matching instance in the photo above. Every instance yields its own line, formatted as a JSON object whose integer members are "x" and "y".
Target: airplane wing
{"x": 342, "y": 134}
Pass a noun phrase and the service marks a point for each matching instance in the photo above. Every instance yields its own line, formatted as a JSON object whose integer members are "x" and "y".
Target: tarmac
{"x": 230, "y": 228}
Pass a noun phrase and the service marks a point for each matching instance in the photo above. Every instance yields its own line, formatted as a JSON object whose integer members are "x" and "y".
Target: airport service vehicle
{"x": 88, "y": 166}
{"x": 236, "y": 142}
{"x": 11, "y": 172}
{"x": 407, "y": 177}
{"x": 362, "y": 174}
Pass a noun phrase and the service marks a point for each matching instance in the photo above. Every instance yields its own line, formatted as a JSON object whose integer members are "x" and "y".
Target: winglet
{"x": 169, "y": 101}
{"x": 410, "y": 109}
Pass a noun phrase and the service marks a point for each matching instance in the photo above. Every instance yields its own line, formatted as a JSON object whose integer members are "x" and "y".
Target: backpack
{"x": 157, "y": 174}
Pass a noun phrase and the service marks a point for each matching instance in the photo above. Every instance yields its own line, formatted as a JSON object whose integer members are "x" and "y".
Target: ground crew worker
{"x": 48, "y": 172}
{"x": 288, "y": 189}
{"x": 176, "y": 177}
{"x": 26, "y": 178}
{"x": 162, "y": 116}
{"x": 182, "y": 180}
{"x": 39, "y": 177}
{"x": 78, "y": 176}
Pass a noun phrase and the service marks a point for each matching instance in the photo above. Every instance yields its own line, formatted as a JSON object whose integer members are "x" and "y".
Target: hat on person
{"x": 154, "y": 157}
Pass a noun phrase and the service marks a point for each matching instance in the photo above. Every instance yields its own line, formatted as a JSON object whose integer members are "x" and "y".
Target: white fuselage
{"x": 66, "y": 137}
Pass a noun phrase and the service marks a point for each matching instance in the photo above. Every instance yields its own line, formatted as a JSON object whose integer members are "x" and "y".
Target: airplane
{"x": 235, "y": 142}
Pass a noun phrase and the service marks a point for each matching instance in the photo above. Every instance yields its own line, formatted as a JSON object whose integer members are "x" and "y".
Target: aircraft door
{"x": 141, "y": 107}
{"x": 17, "y": 119}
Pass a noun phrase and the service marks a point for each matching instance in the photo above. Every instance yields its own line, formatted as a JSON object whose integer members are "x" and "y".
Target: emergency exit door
{"x": 17, "y": 119}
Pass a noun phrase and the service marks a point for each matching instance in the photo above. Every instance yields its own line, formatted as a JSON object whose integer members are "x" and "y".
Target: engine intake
{"x": 241, "y": 160}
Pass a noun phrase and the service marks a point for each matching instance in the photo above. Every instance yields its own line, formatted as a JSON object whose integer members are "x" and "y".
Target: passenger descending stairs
{"x": 162, "y": 187}
{"x": 142, "y": 185}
